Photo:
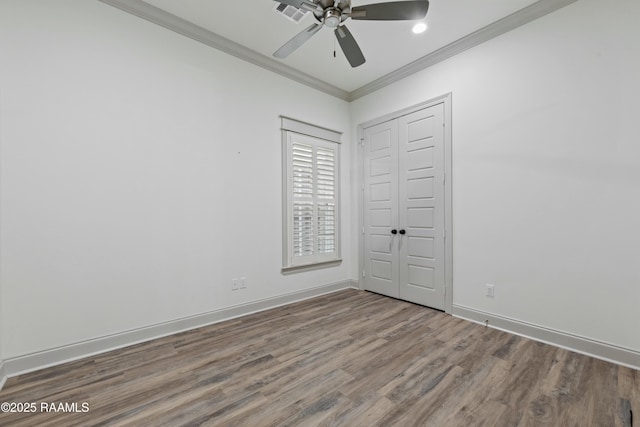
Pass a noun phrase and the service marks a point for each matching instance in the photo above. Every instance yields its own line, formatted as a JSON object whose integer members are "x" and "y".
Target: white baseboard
{"x": 56, "y": 356}
{"x": 600, "y": 350}
{"x": 3, "y": 374}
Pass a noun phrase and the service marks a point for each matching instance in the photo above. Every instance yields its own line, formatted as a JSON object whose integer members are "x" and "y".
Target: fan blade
{"x": 394, "y": 11}
{"x": 288, "y": 48}
{"x": 349, "y": 46}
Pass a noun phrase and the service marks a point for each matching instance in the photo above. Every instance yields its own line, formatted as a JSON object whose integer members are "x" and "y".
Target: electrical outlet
{"x": 235, "y": 284}
{"x": 243, "y": 282}
{"x": 489, "y": 293}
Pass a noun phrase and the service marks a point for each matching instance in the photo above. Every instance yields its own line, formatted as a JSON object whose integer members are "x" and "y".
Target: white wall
{"x": 546, "y": 169}
{"x": 140, "y": 173}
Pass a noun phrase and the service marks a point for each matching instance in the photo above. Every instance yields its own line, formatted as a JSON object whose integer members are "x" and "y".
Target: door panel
{"x": 420, "y": 247}
{"x": 422, "y": 277}
{"x": 421, "y": 206}
{"x": 421, "y": 217}
{"x": 419, "y": 188}
{"x": 381, "y": 208}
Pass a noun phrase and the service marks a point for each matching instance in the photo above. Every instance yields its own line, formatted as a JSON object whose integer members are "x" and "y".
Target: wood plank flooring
{"x": 350, "y": 358}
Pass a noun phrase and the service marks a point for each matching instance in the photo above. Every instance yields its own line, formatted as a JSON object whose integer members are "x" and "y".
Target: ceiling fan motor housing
{"x": 332, "y": 12}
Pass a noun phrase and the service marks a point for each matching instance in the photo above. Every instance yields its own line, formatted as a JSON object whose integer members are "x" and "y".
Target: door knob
{"x": 402, "y": 232}
{"x": 394, "y": 231}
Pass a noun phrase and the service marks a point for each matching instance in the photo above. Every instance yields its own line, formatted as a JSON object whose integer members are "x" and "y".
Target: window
{"x": 311, "y": 184}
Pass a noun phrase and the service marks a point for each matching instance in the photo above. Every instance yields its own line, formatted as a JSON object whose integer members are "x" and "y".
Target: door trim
{"x": 448, "y": 205}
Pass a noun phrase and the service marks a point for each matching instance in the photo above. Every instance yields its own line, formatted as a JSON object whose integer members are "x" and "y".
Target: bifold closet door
{"x": 403, "y": 205}
{"x": 421, "y": 206}
{"x": 381, "y": 272}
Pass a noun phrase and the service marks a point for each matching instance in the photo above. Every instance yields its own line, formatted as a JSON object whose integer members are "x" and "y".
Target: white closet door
{"x": 421, "y": 207}
{"x": 381, "y": 208}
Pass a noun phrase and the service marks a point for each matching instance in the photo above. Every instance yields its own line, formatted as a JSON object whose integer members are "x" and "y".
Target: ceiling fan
{"x": 332, "y": 13}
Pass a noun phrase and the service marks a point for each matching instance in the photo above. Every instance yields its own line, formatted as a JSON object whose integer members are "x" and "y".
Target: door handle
{"x": 394, "y": 231}
{"x": 402, "y": 232}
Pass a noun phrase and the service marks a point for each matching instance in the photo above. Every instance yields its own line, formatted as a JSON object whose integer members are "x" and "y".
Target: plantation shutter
{"x": 303, "y": 200}
{"x": 326, "y": 200}
{"x": 312, "y": 199}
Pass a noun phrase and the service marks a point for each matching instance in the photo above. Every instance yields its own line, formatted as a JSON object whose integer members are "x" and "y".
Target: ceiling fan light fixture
{"x": 419, "y": 28}
{"x": 332, "y": 18}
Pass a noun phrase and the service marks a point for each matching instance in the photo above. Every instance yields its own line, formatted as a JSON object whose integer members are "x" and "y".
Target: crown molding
{"x": 167, "y": 20}
{"x": 181, "y": 26}
{"x": 501, "y": 26}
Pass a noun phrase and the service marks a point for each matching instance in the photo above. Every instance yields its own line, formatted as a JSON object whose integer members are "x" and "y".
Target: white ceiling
{"x": 387, "y": 45}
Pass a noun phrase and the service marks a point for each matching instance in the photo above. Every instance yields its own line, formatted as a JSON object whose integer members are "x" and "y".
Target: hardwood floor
{"x": 350, "y": 358}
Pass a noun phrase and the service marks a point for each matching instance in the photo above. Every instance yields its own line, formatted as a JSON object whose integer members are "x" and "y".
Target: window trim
{"x": 296, "y": 126}
{"x": 290, "y": 129}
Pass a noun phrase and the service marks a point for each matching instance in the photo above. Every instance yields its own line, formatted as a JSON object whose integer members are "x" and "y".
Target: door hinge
{"x": 444, "y": 234}
{"x": 362, "y": 187}
{"x": 362, "y": 230}
{"x": 361, "y": 142}
{"x": 362, "y": 273}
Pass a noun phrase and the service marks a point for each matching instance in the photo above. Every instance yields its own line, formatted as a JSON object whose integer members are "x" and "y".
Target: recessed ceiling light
{"x": 420, "y": 27}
